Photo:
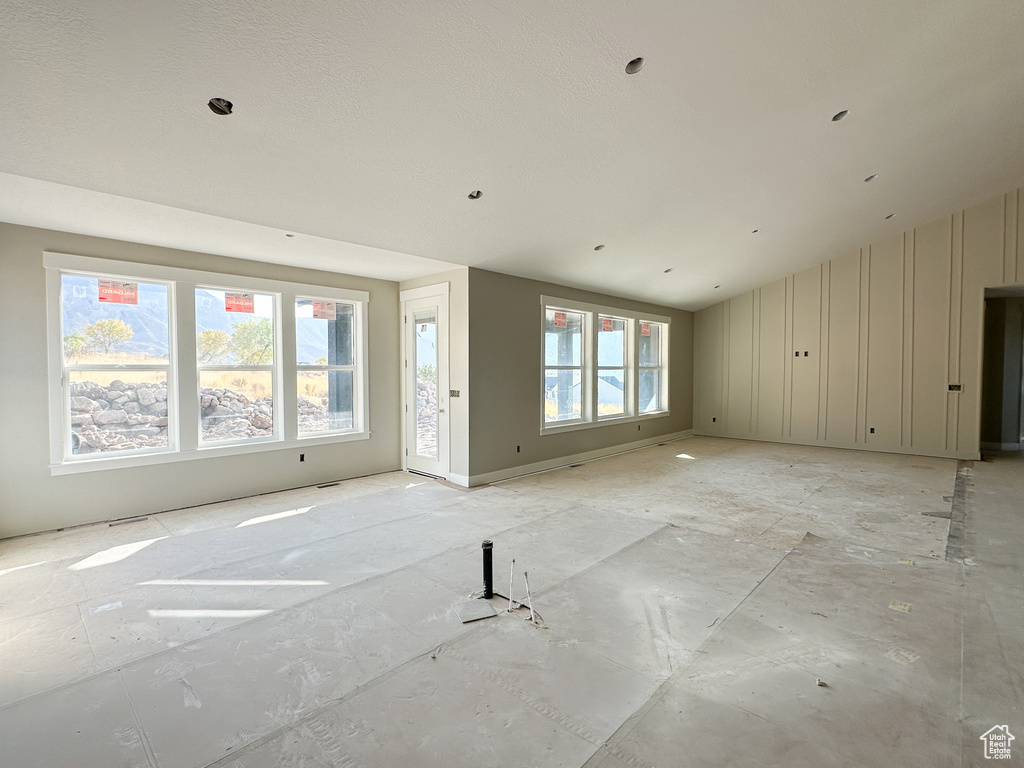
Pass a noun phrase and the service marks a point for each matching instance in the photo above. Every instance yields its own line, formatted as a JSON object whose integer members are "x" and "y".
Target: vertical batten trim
{"x": 755, "y": 357}
{"x": 824, "y": 342}
{"x": 956, "y": 268}
{"x": 907, "y": 412}
{"x": 723, "y": 427}
{"x": 863, "y": 344}
{"x": 787, "y": 371}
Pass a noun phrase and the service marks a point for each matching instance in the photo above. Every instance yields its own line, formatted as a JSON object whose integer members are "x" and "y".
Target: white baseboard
{"x": 1000, "y": 446}
{"x": 564, "y": 461}
{"x": 462, "y": 480}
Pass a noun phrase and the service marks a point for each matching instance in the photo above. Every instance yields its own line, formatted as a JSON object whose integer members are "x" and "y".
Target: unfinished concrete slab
{"x": 692, "y": 595}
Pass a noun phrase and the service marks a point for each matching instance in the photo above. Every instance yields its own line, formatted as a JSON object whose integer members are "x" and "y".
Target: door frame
{"x": 441, "y": 292}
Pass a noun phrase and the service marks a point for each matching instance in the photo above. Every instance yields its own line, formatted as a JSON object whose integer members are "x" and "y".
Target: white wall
{"x": 33, "y": 500}
{"x": 886, "y": 329}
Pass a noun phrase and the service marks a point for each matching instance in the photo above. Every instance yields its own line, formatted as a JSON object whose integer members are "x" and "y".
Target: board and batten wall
{"x": 859, "y": 351}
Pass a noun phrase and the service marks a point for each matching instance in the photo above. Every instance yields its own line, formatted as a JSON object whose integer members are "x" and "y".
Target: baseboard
{"x": 1000, "y": 446}
{"x": 564, "y": 461}
{"x": 462, "y": 480}
{"x": 960, "y": 455}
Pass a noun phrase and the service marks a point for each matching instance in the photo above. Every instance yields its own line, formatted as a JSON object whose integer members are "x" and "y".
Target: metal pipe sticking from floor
{"x": 526, "y": 578}
{"x": 488, "y": 547}
{"x": 511, "y": 573}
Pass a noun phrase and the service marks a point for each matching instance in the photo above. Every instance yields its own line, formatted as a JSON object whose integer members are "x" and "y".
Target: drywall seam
{"x": 564, "y": 461}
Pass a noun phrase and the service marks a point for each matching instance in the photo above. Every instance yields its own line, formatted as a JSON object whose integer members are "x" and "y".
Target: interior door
{"x": 425, "y": 380}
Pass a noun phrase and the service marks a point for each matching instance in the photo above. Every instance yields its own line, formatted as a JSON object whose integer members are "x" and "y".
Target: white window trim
{"x": 184, "y": 369}
{"x": 592, "y": 312}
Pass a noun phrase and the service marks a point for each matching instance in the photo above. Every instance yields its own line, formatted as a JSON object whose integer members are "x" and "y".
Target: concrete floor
{"x": 693, "y": 594}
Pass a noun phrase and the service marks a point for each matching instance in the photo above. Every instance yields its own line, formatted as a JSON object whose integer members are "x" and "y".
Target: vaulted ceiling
{"x": 362, "y": 127}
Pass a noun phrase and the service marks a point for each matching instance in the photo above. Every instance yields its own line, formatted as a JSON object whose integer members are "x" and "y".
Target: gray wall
{"x": 887, "y": 328}
{"x": 33, "y": 500}
{"x": 505, "y": 335}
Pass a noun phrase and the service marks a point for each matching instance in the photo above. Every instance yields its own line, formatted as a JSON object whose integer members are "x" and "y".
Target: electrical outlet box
{"x": 453, "y": 393}
{"x": 955, "y": 387}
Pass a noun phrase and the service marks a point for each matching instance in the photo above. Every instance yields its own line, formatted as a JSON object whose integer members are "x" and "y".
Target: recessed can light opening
{"x": 289, "y": 234}
{"x": 872, "y": 177}
{"x": 840, "y": 115}
{"x": 668, "y": 270}
{"x": 220, "y": 106}
{"x": 598, "y": 247}
{"x": 890, "y": 215}
{"x": 754, "y": 232}
{"x": 718, "y": 286}
{"x": 475, "y": 194}
{"x": 635, "y": 65}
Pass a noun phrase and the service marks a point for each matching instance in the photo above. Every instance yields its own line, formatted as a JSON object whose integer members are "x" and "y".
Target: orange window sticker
{"x": 645, "y": 329}
{"x": 238, "y": 302}
{"x": 561, "y": 321}
{"x": 606, "y": 323}
{"x": 325, "y": 310}
{"x": 118, "y": 292}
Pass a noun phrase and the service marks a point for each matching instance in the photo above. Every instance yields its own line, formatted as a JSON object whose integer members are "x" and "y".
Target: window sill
{"x": 551, "y": 429}
{"x": 210, "y": 452}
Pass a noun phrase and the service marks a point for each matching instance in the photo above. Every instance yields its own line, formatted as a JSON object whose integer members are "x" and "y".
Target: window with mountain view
{"x": 236, "y": 336}
{"x": 325, "y": 350}
{"x": 117, "y": 362}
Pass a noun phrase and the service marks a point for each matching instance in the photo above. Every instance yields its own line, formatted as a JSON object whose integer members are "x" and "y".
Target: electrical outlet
{"x": 872, "y": 430}
{"x": 302, "y": 457}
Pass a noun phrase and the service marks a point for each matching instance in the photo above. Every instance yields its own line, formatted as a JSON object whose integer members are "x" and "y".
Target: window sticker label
{"x": 238, "y": 302}
{"x": 606, "y": 323}
{"x": 118, "y": 292}
{"x": 325, "y": 310}
{"x": 645, "y": 329}
{"x": 561, "y": 321}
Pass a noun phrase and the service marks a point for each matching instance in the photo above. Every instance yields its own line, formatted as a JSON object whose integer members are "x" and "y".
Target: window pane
{"x": 563, "y": 337}
{"x": 563, "y": 395}
{"x": 611, "y": 392}
{"x": 611, "y": 338}
{"x": 236, "y": 405}
{"x": 650, "y": 344}
{"x": 425, "y": 360}
{"x": 113, "y": 321}
{"x": 650, "y": 390}
{"x": 325, "y": 401}
{"x": 117, "y": 411}
{"x": 323, "y": 332}
{"x": 234, "y": 327}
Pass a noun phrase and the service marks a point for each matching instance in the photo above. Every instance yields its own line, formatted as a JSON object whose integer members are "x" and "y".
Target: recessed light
{"x": 289, "y": 234}
{"x": 475, "y": 194}
{"x": 872, "y": 177}
{"x": 718, "y": 286}
{"x": 754, "y": 232}
{"x": 840, "y": 115}
{"x": 220, "y": 106}
{"x": 668, "y": 270}
{"x": 890, "y": 215}
{"x": 635, "y": 66}
{"x": 598, "y": 247}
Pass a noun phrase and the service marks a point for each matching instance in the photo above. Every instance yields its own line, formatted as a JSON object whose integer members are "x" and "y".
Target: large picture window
{"x": 117, "y": 360}
{"x": 601, "y": 365}
{"x": 152, "y": 364}
{"x": 235, "y": 341}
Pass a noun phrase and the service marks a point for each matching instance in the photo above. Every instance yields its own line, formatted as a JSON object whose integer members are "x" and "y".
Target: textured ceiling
{"x": 367, "y": 124}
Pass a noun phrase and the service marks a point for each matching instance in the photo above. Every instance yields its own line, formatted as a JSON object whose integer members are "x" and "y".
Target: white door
{"x": 425, "y": 379}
